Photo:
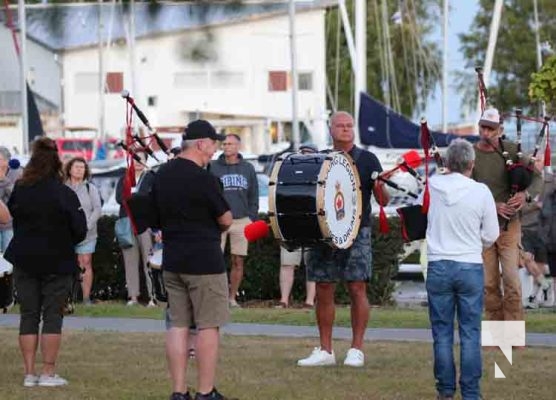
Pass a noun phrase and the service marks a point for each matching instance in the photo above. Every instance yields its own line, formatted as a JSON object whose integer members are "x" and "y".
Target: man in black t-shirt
{"x": 191, "y": 212}
{"x": 326, "y": 266}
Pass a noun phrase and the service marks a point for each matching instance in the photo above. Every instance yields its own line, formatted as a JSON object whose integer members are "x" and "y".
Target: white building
{"x": 227, "y": 63}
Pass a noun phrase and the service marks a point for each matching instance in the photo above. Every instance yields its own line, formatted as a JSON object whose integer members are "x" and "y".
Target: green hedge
{"x": 262, "y": 267}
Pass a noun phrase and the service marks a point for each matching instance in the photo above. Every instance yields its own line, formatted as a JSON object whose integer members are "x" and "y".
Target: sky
{"x": 461, "y": 16}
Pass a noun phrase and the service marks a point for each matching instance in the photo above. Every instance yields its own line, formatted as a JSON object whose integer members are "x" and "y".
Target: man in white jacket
{"x": 462, "y": 221}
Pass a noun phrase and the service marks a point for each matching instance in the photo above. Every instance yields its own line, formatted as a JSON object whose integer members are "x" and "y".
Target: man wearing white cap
{"x": 490, "y": 169}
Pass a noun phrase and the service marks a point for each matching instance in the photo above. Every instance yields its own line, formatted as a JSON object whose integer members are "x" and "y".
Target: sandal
{"x": 281, "y": 304}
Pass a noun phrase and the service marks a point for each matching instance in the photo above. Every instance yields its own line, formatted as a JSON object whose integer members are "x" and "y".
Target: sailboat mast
{"x": 361, "y": 56}
{"x": 293, "y": 51}
{"x": 494, "y": 26}
{"x": 445, "y": 69}
{"x": 542, "y": 105}
{"x": 101, "y": 79}
{"x": 23, "y": 66}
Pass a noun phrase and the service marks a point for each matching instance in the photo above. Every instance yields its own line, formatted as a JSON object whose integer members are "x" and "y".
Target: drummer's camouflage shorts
{"x": 325, "y": 264}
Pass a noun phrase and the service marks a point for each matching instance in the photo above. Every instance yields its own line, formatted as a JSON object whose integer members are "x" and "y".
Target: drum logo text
{"x": 339, "y": 204}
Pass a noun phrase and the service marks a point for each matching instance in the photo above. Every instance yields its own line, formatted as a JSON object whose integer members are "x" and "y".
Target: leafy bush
{"x": 262, "y": 268}
{"x": 108, "y": 266}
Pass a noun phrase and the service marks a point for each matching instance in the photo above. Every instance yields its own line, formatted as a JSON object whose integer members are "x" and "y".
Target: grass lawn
{"x": 132, "y": 366}
{"x": 542, "y": 321}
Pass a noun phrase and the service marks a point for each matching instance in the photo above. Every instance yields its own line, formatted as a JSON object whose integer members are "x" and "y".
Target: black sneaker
{"x": 213, "y": 395}
{"x": 180, "y": 396}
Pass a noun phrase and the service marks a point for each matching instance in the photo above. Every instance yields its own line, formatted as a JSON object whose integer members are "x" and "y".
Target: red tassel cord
{"x": 547, "y": 150}
{"x": 129, "y": 177}
{"x": 382, "y": 218}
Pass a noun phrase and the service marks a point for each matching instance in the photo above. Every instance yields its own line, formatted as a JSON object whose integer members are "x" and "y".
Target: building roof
{"x": 72, "y": 26}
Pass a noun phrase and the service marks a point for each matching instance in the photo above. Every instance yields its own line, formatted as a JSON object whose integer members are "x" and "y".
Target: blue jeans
{"x": 456, "y": 287}
{"x": 6, "y": 236}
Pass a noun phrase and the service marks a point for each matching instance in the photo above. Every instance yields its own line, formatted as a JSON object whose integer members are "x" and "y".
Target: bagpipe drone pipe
{"x": 138, "y": 206}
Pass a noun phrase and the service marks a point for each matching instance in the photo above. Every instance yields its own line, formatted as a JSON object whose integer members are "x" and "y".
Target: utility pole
{"x": 293, "y": 51}
{"x": 23, "y": 66}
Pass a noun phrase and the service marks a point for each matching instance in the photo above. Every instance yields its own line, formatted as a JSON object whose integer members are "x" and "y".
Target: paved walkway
{"x": 152, "y": 325}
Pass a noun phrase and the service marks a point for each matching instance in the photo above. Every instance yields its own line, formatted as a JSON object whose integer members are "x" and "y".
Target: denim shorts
{"x": 86, "y": 247}
{"x": 325, "y": 264}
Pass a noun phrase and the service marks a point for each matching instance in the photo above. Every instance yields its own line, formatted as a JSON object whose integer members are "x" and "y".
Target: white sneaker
{"x": 151, "y": 304}
{"x": 318, "y": 358}
{"x": 354, "y": 358}
{"x": 30, "y": 380}
{"x": 131, "y": 303}
{"x": 234, "y": 304}
{"x": 531, "y": 304}
{"x": 52, "y": 380}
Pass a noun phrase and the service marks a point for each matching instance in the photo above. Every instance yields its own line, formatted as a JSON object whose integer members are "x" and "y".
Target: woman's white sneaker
{"x": 318, "y": 358}
{"x": 354, "y": 358}
{"x": 52, "y": 380}
{"x": 30, "y": 380}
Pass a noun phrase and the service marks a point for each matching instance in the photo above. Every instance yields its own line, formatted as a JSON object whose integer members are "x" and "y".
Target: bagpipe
{"x": 520, "y": 170}
{"x": 413, "y": 218}
{"x": 137, "y": 206}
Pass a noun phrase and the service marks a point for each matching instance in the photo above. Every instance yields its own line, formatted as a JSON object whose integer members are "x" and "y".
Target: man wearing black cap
{"x": 190, "y": 210}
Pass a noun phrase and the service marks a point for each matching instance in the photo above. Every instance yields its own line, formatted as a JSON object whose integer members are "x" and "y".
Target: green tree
{"x": 416, "y": 59}
{"x": 515, "y": 55}
{"x": 543, "y": 85}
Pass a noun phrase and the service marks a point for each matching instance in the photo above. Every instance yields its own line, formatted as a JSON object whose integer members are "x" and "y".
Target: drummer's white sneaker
{"x": 354, "y": 358}
{"x": 318, "y": 358}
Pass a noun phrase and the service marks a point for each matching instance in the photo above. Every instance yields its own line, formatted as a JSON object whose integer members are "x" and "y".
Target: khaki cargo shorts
{"x": 238, "y": 242}
{"x": 200, "y": 300}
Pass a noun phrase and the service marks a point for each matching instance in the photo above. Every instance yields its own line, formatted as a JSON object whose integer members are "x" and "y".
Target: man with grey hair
{"x": 462, "y": 221}
{"x": 190, "y": 210}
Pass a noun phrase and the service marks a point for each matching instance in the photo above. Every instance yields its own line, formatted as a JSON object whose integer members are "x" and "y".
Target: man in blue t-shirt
{"x": 327, "y": 266}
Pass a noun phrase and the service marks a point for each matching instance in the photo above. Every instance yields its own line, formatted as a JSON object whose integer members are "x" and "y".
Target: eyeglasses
{"x": 229, "y": 144}
{"x": 343, "y": 126}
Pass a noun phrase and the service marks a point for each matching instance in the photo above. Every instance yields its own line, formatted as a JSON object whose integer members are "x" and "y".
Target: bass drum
{"x": 315, "y": 198}
{"x": 155, "y": 270}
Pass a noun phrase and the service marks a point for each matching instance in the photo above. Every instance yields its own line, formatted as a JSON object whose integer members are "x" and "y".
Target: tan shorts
{"x": 200, "y": 300}
{"x": 238, "y": 242}
{"x": 290, "y": 257}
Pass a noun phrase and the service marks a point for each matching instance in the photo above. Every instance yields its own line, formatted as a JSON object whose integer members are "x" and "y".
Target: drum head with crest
{"x": 315, "y": 198}
{"x": 340, "y": 198}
